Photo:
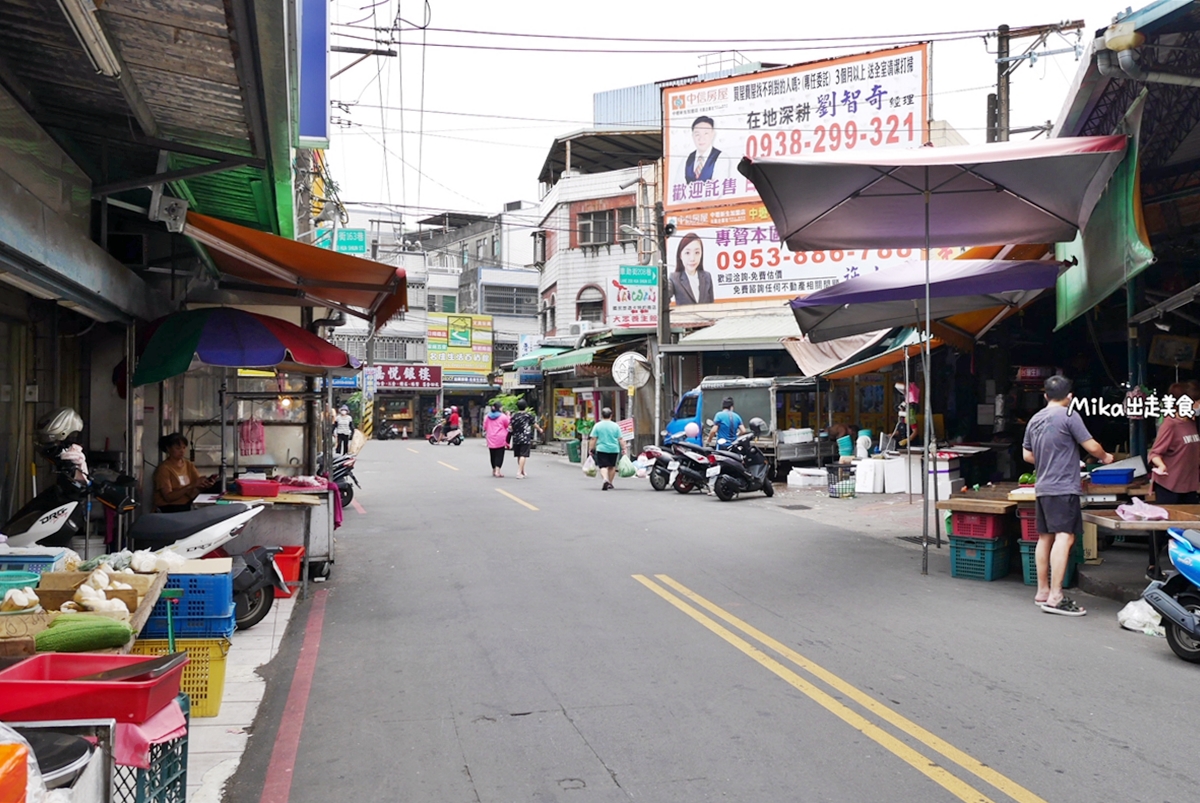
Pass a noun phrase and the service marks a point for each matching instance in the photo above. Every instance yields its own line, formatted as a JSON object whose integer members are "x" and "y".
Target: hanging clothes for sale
{"x": 252, "y": 438}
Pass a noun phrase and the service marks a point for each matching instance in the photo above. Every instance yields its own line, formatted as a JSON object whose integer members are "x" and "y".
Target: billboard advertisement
{"x": 461, "y": 345}
{"x": 633, "y": 297}
{"x": 862, "y": 102}
{"x": 735, "y": 255}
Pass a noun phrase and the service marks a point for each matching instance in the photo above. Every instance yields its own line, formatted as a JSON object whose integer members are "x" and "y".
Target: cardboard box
{"x": 1091, "y": 546}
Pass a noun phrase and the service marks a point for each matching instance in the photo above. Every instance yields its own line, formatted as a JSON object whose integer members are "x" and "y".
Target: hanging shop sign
{"x": 312, "y": 124}
{"x": 564, "y": 414}
{"x": 863, "y": 102}
{"x": 633, "y": 298}
{"x": 408, "y": 377}
{"x": 461, "y": 345}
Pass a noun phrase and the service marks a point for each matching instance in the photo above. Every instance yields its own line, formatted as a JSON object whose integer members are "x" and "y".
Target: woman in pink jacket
{"x": 495, "y": 429}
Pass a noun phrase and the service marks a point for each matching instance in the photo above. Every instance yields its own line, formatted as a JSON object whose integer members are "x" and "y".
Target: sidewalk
{"x": 216, "y": 744}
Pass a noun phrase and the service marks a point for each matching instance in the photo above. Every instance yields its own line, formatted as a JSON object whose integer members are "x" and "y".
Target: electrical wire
{"x": 411, "y": 167}
{"x": 421, "y": 116}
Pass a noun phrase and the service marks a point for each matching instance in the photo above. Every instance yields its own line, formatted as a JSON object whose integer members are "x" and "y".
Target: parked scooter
{"x": 198, "y": 533}
{"x": 744, "y": 468}
{"x": 59, "y": 513}
{"x": 388, "y": 432}
{"x": 660, "y": 471}
{"x": 1178, "y": 597}
{"x": 692, "y": 467}
{"x": 343, "y": 474}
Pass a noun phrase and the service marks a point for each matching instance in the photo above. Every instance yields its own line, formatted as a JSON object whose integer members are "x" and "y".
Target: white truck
{"x": 766, "y": 398}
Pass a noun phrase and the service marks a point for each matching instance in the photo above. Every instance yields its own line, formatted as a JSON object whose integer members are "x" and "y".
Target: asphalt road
{"x": 540, "y": 640}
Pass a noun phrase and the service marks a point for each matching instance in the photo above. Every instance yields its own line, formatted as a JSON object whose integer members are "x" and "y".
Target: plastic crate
{"x": 1112, "y": 476}
{"x": 203, "y": 595}
{"x": 1029, "y": 563}
{"x": 1028, "y": 518}
{"x": 841, "y": 481}
{"x": 165, "y": 781}
{"x": 977, "y": 525}
{"x": 192, "y": 626}
{"x": 45, "y": 687}
{"x": 261, "y": 488}
{"x": 979, "y": 558}
{"x": 289, "y": 562}
{"x": 203, "y": 677}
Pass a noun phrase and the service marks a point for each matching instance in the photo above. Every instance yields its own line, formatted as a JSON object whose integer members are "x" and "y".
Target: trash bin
{"x": 573, "y": 450}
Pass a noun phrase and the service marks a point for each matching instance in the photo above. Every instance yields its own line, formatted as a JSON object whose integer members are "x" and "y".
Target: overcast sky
{"x": 491, "y": 115}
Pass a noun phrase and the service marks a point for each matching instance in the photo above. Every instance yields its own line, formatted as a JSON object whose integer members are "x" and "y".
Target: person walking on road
{"x": 606, "y": 446}
{"x": 727, "y": 425}
{"x": 1052, "y": 440}
{"x": 523, "y": 424}
{"x": 343, "y": 427}
{"x": 496, "y": 427}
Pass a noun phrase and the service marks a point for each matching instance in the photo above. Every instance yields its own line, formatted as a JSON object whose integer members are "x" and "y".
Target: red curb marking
{"x": 354, "y": 504}
{"x": 278, "y": 786}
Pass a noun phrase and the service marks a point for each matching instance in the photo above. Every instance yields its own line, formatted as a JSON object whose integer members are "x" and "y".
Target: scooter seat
{"x": 167, "y": 528}
{"x": 1192, "y": 537}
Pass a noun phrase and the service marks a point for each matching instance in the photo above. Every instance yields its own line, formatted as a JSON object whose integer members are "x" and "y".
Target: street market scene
{"x": 430, "y": 402}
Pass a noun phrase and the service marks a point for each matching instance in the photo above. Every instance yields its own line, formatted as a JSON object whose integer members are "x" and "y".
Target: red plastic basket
{"x": 289, "y": 562}
{"x": 263, "y": 488}
{"x": 44, "y": 688}
{"x": 977, "y": 525}
{"x": 1028, "y": 519}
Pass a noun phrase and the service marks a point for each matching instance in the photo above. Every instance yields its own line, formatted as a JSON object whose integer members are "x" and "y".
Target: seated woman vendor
{"x": 176, "y": 481}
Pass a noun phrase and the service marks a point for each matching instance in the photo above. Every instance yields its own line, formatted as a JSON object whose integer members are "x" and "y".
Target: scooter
{"x": 343, "y": 474}
{"x": 693, "y": 467}
{"x": 202, "y": 532}
{"x": 388, "y": 432}
{"x": 59, "y": 513}
{"x": 1178, "y": 597}
{"x": 441, "y": 434}
{"x": 660, "y": 471}
{"x": 744, "y": 468}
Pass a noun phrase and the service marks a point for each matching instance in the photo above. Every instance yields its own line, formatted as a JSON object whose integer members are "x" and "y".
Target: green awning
{"x": 532, "y": 359}
{"x": 572, "y": 358}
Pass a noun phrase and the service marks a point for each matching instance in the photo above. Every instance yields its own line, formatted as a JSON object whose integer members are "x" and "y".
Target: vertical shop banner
{"x": 564, "y": 414}
{"x": 312, "y": 124}
{"x": 735, "y": 254}
{"x": 633, "y": 299}
{"x": 862, "y": 102}
{"x": 526, "y": 345}
{"x": 461, "y": 345}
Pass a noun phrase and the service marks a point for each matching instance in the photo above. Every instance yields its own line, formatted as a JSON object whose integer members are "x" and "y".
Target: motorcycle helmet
{"x": 454, "y": 409}
{"x": 757, "y": 426}
{"x": 59, "y": 427}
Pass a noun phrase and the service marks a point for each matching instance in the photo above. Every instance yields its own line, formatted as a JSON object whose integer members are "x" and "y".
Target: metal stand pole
{"x": 907, "y": 431}
{"x": 925, "y": 445}
{"x": 221, "y": 403}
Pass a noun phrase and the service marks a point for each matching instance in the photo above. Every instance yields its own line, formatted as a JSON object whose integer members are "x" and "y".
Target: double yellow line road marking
{"x": 939, "y": 775}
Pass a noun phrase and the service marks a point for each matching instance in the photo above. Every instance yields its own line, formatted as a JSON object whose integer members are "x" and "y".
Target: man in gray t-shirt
{"x": 1052, "y": 440}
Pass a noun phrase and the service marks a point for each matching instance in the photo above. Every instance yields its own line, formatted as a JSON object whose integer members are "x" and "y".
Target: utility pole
{"x": 663, "y": 388}
{"x": 999, "y": 105}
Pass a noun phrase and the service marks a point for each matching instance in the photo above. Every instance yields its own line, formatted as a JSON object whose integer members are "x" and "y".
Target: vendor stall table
{"x": 297, "y": 517}
{"x": 1182, "y": 516}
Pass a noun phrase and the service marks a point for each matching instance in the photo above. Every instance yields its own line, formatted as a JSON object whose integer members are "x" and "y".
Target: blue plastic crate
{"x": 980, "y": 558}
{"x": 203, "y": 595}
{"x": 1112, "y": 476}
{"x": 1029, "y": 563}
{"x": 38, "y": 564}
{"x": 192, "y": 626}
{"x": 166, "y": 779}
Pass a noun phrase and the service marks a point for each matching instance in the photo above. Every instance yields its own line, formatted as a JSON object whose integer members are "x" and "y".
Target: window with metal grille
{"x": 595, "y": 228}
{"x": 590, "y": 311}
{"x": 503, "y": 353}
{"x": 500, "y": 300}
{"x": 626, "y": 217}
{"x": 481, "y": 248}
{"x": 464, "y": 255}
{"x": 495, "y": 248}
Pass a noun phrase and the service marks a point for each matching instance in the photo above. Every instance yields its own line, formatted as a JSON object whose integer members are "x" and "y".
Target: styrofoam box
{"x": 869, "y": 477}
{"x": 895, "y": 481}
{"x": 807, "y": 477}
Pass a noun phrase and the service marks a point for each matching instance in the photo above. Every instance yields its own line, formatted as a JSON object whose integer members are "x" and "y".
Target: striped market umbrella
{"x": 231, "y": 338}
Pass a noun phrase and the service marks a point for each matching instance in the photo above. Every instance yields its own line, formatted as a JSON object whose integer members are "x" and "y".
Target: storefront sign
{"x": 312, "y": 124}
{"x": 345, "y": 382}
{"x": 626, "y": 425}
{"x": 633, "y": 299}
{"x": 862, "y": 102}
{"x": 461, "y": 344}
{"x": 408, "y": 377}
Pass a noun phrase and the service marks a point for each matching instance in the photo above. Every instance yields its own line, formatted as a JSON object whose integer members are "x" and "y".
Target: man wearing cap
{"x": 727, "y": 425}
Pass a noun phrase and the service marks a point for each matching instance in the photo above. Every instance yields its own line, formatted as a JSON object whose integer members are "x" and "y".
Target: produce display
{"x": 19, "y": 599}
{"x": 82, "y": 633}
{"x": 1028, "y": 478}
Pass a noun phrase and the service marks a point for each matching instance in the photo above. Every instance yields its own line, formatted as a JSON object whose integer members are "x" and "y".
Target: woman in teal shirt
{"x": 606, "y": 447}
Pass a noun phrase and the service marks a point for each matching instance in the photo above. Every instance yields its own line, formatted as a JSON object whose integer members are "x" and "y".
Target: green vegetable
{"x": 1028, "y": 479}
{"x": 82, "y": 633}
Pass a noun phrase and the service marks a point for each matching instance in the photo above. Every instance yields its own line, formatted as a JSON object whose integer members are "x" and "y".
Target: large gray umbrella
{"x": 1012, "y": 192}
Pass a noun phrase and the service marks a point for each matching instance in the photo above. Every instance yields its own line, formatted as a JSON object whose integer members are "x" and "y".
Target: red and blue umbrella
{"x": 231, "y": 338}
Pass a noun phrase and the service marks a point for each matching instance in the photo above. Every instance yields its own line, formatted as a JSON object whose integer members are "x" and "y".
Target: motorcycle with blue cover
{"x": 1178, "y": 597}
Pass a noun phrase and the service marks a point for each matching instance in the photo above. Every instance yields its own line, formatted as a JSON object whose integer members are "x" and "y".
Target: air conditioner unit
{"x": 581, "y": 327}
